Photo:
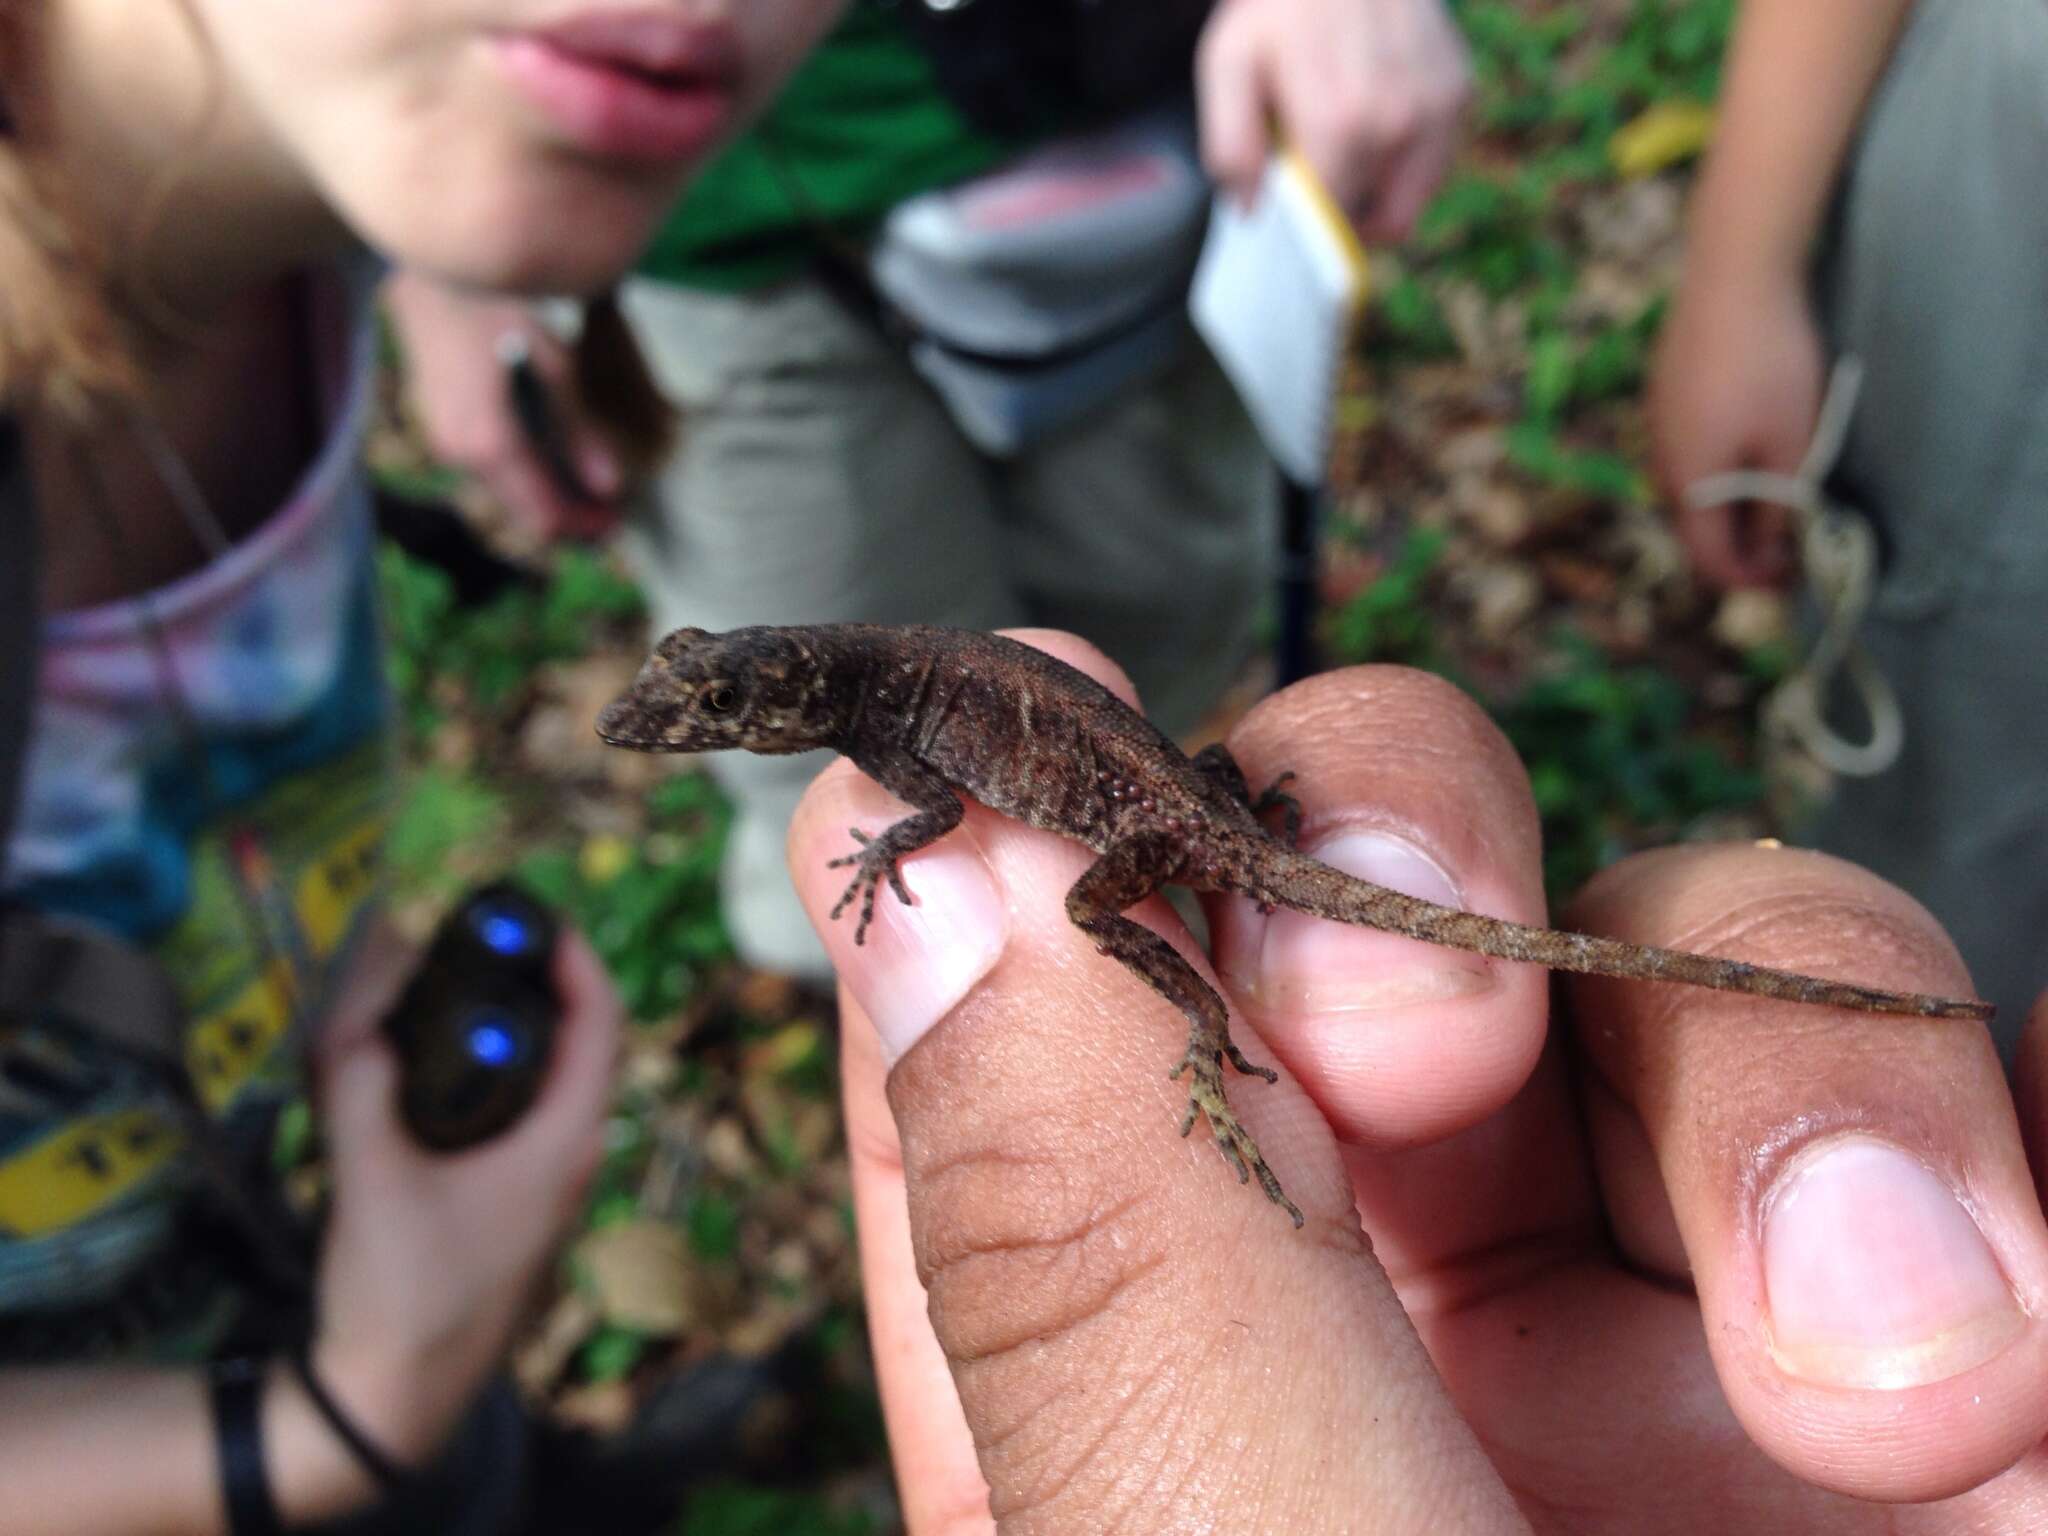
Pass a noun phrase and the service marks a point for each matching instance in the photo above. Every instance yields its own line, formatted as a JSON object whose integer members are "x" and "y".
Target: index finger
{"x": 1411, "y": 1050}
{"x": 1118, "y": 1319}
{"x": 1231, "y": 100}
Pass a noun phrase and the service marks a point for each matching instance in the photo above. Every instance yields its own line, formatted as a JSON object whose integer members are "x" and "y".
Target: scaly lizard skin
{"x": 925, "y": 712}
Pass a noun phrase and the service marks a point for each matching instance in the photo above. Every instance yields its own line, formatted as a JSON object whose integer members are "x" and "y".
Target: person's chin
{"x": 572, "y": 239}
{"x": 572, "y": 261}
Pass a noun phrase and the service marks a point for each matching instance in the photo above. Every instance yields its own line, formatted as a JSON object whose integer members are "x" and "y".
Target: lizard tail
{"x": 1321, "y": 891}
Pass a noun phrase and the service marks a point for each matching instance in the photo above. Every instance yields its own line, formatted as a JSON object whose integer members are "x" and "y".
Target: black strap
{"x": 387, "y": 1472}
{"x": 238, "y": 1437}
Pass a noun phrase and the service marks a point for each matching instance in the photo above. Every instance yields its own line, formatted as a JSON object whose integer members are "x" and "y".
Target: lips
{"x": 633, "y": 85}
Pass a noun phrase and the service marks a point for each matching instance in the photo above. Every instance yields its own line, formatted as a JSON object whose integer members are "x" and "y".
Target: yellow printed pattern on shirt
{"x": 66, "y": 1178}
{"x": 320, "y": 838}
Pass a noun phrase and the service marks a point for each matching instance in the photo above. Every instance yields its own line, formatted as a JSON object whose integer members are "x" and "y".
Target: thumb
{"x": 1112, "y": 1310}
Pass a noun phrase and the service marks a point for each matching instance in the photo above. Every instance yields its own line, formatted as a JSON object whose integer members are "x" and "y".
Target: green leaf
{"x": 1547, "y": 388}
{"x": 293, "y": 1139}
{"x": 736, "y": 1509}
{"x": 613, "y": 1211}
{"x": 713, "y": 1225}
{"x": 1389, "y": 620}
{"x": 1413, "y": 320}
{"x": 442, "y": 811}
{"x": 611, "y": 1353}
{"x": 1536, "y": 450}
{"x": 1612, "y": 760}
{"x": 1611, "y": 365}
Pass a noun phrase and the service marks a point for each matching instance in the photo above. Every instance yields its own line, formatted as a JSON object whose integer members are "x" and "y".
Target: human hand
{"x": 1696, "y": 1263}
{"x": 1737, "y": 383}
{"x": 1370, "y": 91}
{"x": 461, "y": 394}
{"x": 431, "y": 1259}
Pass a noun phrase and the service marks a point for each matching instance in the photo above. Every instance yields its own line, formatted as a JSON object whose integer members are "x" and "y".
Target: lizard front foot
{"x": 1276, "y": 797}
{"x": 1206, "y": 1097}
{"x": 872, "y": 865}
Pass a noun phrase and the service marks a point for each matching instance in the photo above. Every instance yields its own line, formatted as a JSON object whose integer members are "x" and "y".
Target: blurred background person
{"x": 189, "y": 197}
{"x": 1864, "y": 197}
{"x": 818, "y": 478}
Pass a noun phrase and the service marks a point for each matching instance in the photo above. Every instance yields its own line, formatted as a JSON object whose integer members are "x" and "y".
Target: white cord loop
{"x": 1839, "y": 551}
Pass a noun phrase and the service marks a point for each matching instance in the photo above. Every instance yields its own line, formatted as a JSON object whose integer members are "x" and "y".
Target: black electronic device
{"x": 475, "y": 1026}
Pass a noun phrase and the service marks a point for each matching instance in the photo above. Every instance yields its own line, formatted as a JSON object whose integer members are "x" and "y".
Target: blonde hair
{"x": 61, "y": 347}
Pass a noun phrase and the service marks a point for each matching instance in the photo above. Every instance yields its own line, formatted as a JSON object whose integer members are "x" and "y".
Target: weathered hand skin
{"x": 927, "y": 712}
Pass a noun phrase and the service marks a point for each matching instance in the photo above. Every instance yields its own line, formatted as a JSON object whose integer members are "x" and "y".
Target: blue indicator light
{"x": 491, "y": 1042}
{"x": 503, "y": 931}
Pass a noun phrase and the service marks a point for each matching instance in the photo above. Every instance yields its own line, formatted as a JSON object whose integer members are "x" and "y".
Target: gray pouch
{"x": 1036, "y": 293}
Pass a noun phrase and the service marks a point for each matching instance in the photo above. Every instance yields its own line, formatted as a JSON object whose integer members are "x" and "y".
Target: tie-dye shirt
{"x": 266, "y": 803}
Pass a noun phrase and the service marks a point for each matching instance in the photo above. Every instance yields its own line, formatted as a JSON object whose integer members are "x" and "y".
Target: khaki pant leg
{"x": 815, "y": 481}
{"x": 1152, "y": 529}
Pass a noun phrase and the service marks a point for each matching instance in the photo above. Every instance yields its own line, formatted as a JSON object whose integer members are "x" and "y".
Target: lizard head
{"x": 761, "y": 690}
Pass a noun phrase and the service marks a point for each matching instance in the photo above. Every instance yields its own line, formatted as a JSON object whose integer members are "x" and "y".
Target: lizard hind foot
{"x": 1206, "y": 1098}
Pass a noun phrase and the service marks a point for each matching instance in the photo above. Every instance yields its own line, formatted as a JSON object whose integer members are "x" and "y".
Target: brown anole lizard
{"x": 926, "y": 712}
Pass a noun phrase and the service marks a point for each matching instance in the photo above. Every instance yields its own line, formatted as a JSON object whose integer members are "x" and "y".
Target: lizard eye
{"x": 719, "y": 698}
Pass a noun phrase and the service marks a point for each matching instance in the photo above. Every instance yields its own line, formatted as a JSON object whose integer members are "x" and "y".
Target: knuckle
{"x": 479, "y": 446}
{"x": 1387, "y": 228}
{"x": 1440, "y": 107}
{"x": 1228, "y": 156}
{"x": 1395, "y": 119}
{"x": 1020, "y": 1251}
{"x": 1332, "y": 127}
{"x": 1054, "y": 1292}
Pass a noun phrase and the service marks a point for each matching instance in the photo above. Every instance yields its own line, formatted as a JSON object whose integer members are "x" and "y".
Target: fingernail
{"x": 1315, "y": 965}
{"x": 1874, "y": 1274}
{"x": 919, "y": 961}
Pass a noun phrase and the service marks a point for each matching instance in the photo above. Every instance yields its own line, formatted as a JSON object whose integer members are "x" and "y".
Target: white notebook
{"x": 1276, "y": 295}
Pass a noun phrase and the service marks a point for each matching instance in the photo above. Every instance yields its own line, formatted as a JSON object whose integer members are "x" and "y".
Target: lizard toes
{"x": 845, "y": 900}
{"x": 1247, "y": 1067}
{"x": 1228, "y": 1147}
